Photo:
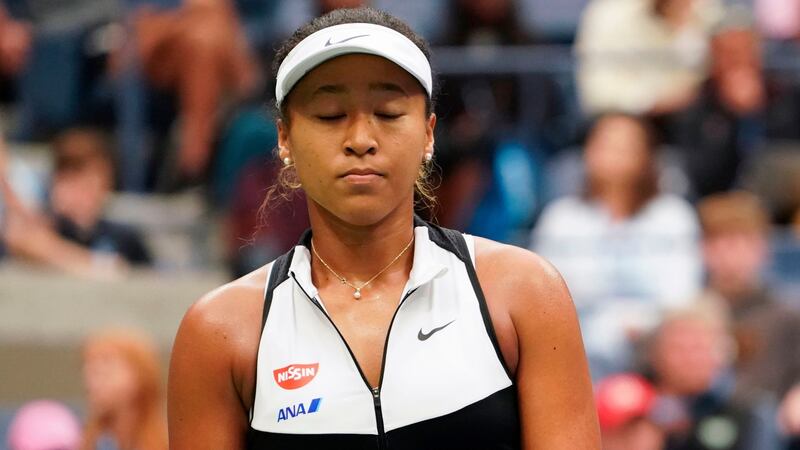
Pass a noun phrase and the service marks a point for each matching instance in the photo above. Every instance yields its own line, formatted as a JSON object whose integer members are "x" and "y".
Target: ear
{"x": 283, "y": 134}
{"x": 429, "y": 135}
{"x": 283, "y": 140}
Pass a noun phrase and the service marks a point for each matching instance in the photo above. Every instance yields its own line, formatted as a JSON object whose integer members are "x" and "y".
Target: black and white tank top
{"x": 443, "y": 385}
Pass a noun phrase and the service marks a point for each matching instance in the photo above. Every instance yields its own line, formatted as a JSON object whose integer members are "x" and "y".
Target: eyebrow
{"x": 342, "y": 89}
{"x": 390, "y": 87}
{"x": 329, "y": 89}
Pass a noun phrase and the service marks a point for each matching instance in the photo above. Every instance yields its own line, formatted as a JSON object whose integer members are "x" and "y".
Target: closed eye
{"x": 388, "y": 116}
{"x": 331, "y": 118}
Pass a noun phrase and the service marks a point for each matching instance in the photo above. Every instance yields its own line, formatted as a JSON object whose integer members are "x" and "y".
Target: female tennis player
{"x": 378, "y": 330}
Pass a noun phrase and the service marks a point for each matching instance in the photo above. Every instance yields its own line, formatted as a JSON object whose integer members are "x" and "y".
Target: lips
{"x": 362, "y": 175}
{"x": 365, "y": 171}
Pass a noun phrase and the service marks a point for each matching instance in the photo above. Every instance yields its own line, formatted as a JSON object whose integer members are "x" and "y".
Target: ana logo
{"x": 300, "y": 409}
{"x": 295, "y": 376}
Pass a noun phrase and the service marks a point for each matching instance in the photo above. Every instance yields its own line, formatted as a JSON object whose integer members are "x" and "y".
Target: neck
{"x": 621, "y": 202}
{"x": 82, "y": 225}
{"x": 123, "y": 425}
{"x": 733, "y": 288}
{"x": 357, "y": 252}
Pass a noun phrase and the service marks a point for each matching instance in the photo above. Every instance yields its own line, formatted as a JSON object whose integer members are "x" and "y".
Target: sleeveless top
{"x": 443, "y": 383}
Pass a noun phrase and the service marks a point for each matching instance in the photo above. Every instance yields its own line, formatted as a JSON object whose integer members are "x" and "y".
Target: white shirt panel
{"x": 297, "y": 332}
{"x": 453, "y": 368}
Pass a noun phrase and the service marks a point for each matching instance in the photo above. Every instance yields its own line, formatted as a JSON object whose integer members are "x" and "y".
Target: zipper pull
{"x": 376, "y": 392}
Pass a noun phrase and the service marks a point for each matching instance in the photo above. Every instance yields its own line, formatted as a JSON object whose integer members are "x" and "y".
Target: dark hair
{"x": 343, "y": 16}
{"x": 81, "y": 148}
{"x": 652, "y": 136}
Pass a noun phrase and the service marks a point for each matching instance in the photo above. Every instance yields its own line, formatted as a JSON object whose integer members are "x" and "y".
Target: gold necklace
{"x": 343, "y": 280}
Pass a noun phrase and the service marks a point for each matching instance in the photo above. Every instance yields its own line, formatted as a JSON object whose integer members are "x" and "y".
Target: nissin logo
{"x": 299, "y": 409}
{"x": 295, "y": 376}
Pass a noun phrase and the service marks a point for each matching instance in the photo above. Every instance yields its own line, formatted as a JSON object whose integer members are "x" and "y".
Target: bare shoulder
{"x": 229, "y": 316}
{"x": 226, "y": 305}
{"x": 523, "y": 279}
{"x": 211, "y": 373}
{"x": 223, "y": 327}
{"x": 526, "y": 297}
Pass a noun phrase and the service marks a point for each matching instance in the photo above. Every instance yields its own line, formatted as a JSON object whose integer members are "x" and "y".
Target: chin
{"x": 362, "y": 212}
{"x": 363, "y": 216}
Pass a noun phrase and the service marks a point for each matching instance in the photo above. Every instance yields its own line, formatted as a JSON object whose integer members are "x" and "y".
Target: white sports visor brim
{"x": 349, "y": 38}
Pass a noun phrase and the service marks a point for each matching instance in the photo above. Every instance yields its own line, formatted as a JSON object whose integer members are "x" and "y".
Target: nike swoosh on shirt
{"x": 424, "y": 336}
{"x": 329, "y": 43}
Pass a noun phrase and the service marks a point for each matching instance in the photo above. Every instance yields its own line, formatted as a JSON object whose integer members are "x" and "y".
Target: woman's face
{"x": 110, "y": 380}
{"x": 676, "y": 12}
{"x": 357, "y": 131}
{"x": 688, "y": 355}
{"x": 617, "y": 153}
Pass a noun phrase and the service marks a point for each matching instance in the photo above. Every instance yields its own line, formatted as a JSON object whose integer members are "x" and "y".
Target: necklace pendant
{"x": 357, "y": 294}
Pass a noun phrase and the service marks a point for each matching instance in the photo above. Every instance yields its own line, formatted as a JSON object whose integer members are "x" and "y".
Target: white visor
{"x": 348, "y": 38}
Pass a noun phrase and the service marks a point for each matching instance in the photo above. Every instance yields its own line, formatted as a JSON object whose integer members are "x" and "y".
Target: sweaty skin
{"x": 357, "y": 132}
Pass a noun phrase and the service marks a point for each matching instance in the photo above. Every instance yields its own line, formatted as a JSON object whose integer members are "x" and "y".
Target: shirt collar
{"x": 430, "y": 262}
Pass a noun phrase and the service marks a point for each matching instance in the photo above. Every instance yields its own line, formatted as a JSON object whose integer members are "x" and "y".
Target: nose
{"x": 360, "y": 138}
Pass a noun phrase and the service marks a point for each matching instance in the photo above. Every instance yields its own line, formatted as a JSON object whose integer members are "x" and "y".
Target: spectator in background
{"x": 626, "y": 405}
{"x": 626, "y": 250}
{"x": 44, "y": 425}
{"x": 27, "y": 234}
{"x": 688, "y": 357}
{"x": 82, "y": 183}
{"x": 723, "y": 126}
{"x": 73, "y": 36}
{"x": 199, "y": 52}
{"x": 481, "y": 109}
{"x": 643, "y": 56}
{"x": 767, "y": 332}
{"x": 30, "y": 237}
{"x": 125, "y": 404}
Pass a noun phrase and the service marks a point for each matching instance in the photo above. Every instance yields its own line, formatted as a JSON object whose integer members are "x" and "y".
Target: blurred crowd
{"x": 124, "y": 407}
{"x": 659, "y": 172}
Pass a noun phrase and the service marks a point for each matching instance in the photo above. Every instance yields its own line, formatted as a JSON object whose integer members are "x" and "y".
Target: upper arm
{"x": 204, "y": 406}
{"x": 555, "y": 392}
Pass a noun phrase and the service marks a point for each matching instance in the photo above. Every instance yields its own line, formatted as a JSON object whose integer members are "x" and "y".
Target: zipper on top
{"x": 376, "y": 391}
{"x": 376, "y": 401}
